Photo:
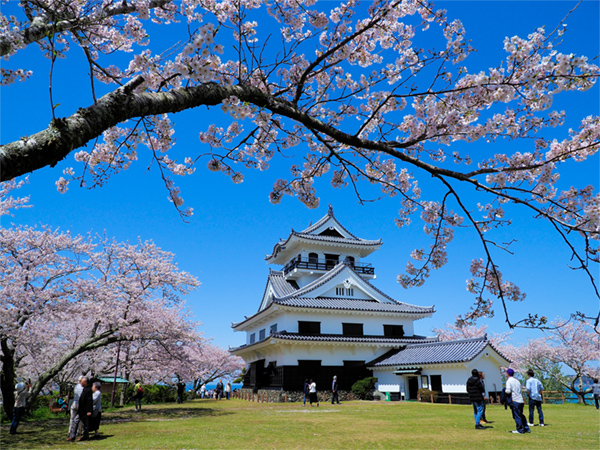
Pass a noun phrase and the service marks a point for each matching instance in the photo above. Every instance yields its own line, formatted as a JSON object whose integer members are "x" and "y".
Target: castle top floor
{"x": 320, "y": 247}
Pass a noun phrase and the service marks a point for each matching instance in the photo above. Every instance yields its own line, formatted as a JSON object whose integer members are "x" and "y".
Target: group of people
{"x": 86, "y": 410}
{"x": 513, "y": 398}
{"x": 310, "y": 392}
{"x": 219, "y": 392}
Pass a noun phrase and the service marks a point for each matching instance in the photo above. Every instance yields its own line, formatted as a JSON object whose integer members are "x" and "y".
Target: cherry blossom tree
{"x": 345, "y": 92}
{"x": 453, "y": 332}
{"x": 573, "y": 344}
{"x": 63, "y": 295}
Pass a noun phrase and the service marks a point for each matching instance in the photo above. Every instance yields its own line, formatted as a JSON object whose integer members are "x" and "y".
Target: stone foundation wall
{"x": 271, "y": 396}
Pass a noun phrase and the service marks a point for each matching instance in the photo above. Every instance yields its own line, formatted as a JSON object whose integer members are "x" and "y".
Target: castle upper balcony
{"x": 302, "y": 265}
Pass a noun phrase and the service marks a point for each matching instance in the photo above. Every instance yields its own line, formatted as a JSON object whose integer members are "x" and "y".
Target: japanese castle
{"x": 321, "y": 315}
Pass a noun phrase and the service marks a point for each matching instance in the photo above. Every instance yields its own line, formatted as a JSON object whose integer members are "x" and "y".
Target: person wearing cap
{"x": 534, "y": 388}
{"x": 513, "y": 387}
{"x": 476, "y": 393}
{"x": 21, "y": 391}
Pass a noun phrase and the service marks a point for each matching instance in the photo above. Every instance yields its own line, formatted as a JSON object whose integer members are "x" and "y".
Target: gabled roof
{"x": 445, "y": 352}
{"x": 313, "y": 234}
{"x": 286, "y": 293}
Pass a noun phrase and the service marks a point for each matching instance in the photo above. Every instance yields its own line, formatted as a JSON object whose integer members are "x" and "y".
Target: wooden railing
{"x": 366, "y": 269}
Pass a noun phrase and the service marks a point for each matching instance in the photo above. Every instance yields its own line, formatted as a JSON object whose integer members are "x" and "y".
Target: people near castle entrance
{"x": 483, "y": 418}
{"x": 476, "y": 393}
{"x": 305, "y": 391}
{"x": 97, "y": 408}
{"x": 219, "y": 390}
{"x": 312, "y": 392}
{"x": 180, "y": 391}
{"x": 596, "y": 392}
{"x": 203, "y": 391}
{"x": 21, "y": 392}
{"x": 84, "y": 412}
{"x": 74, "y": 406}
{"x": 513, "y": 388}
{"x": 228, "y": 390}
{"x": 534, "y": 391}
{"x": 138, "y": 394}
{"x": 335, "y": 397}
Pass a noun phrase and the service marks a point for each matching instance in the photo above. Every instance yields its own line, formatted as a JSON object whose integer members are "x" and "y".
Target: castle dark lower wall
{"x": 291, "y": 378}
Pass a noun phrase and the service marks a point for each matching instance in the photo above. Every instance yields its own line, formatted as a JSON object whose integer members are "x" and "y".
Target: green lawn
{"x": 243, "y": 425}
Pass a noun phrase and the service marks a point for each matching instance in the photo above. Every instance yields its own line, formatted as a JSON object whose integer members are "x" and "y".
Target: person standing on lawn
{"x": 513, "y": 388}
{"x": 335, "y": 397}
{"x": 21, "y": 391}
{"x": 97, "y": 408}
{"x": 312, "y": 391}
{"x": 84, "y": 412}
{"x": 596, "y": 392}
{"x": 483, "y": 418}
{"x": 138, "y": 394}
{"x": 219, "y": 390}
{"x": 74, "y": 406}
{"x": 305, "y": 391}
{"x": 534, "y": 391}
{"x": 476, "y": 393}
{"x": 228, "y": 390}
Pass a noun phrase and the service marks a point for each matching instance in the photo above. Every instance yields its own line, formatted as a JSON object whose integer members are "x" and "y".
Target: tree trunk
{"x": 7, "y": 380}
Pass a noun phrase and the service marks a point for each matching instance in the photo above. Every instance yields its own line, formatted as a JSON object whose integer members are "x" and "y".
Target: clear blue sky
{"x": 235, "y": 226}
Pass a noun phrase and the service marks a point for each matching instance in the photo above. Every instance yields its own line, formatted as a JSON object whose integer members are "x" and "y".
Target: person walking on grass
{"x": 513, "y": 388}
{"x": 476, "y": 393}
{"x": 228, "y": 390}
{"x": 335, "y": 397}
{"x": 21, "y": 392}
{"x": 534, "y": 391}
{"x": 312, "y": 391}
{"x": 596, "y": 392}
{"x": 219, "y": 390}
{"x": 84, "y": 412}
{"x": 74, "y": 406}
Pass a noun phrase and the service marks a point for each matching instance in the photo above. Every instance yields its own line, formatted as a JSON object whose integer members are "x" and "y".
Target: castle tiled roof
{"x": 280, "y": 285}
{"x": 445, "y": 352}
{"x": 351, "y": 304}
{"x": 308, "y": 235}
{"x": 284, "y": 335}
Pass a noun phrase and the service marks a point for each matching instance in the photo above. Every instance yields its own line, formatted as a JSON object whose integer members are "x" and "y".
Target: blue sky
{"x": 235, "y": 226}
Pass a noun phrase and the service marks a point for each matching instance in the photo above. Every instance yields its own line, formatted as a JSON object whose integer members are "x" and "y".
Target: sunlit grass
{"x": 245, "y": 425}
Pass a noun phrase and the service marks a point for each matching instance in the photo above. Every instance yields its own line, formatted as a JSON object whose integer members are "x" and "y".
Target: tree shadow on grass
{"x": 53, "y": 433}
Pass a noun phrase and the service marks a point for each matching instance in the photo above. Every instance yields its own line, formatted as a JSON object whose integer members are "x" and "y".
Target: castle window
{"x": 351, "y": 260}
{"x": 253, "y": 338}
{"x": 341, "y": 291}
{"x": 352, "y": 329}
{"x": 436, "y": 383}
{"x": 331, "y": 260}
{"x": 261, "y": 334}
{"x": 309, "y": 327}
{"x": 393, "y": 331}
{"x": 273, "y": 329}
{"x": 313, "y": 258}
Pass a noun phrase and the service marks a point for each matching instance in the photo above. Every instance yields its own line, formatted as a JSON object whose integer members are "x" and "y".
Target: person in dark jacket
{"x": 476, "y": 393}
{"x": 335, "y": 397}
{"x": 84, "y": 411}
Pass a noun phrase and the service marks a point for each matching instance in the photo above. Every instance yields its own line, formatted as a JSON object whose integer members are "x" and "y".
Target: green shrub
{"x": 425, "y": 395}
{"x": 363, "y": 389}
{"x": 153, "y": 393}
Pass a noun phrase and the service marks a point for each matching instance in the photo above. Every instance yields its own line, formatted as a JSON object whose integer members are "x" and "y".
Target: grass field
{"x": 352, "y": 425}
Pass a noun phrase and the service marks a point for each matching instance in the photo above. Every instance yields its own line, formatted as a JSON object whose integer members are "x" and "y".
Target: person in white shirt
{"x": 534, "y": 391}
{"x": 75, "y": 407}
{"x": 513, "y": 387}
{"x": 21, "y": 392}
{"x": 203, "y": 391}
{"x": 312, "y": 393}
{"x": 228, "y": 390}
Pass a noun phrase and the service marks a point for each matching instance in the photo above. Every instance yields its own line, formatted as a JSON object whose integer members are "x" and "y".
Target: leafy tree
{"x": 344, "y": 91}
